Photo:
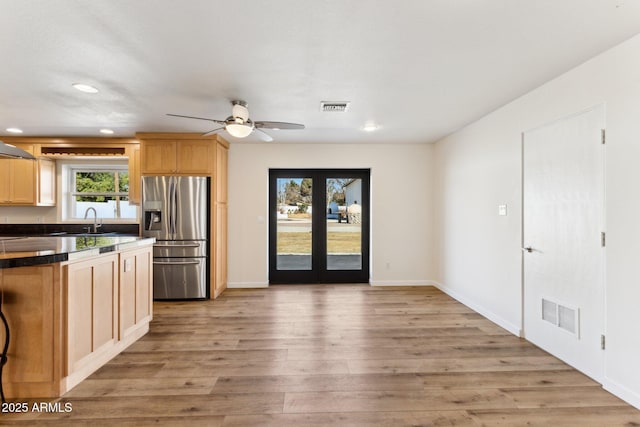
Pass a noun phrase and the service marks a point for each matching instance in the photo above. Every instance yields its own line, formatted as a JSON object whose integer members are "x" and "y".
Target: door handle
{"x": 527, "y": 249}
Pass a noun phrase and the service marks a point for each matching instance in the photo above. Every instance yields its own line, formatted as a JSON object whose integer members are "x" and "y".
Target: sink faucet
{"x": 95, "y": 218}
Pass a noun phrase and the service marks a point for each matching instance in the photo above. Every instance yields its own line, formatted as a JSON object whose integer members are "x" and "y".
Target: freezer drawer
{"x": 180, "y": 278}
{"x": 180, "y": 249}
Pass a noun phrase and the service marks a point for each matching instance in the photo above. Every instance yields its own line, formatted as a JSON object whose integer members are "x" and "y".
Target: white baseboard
{"x": 247, "y": 285}
{"x": 624, "y": 393}
{"x": 401, "y": 283}
{"x": 514, "y": 329}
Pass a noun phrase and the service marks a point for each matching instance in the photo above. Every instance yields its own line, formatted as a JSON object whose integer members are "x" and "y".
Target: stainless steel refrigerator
{"x": 175, "y": 210}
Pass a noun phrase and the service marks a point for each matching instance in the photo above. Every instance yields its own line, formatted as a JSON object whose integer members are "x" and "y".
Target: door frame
{"x": 319, "y": 272}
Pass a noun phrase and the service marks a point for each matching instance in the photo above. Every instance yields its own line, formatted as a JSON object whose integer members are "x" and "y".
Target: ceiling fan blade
{"x": 211, "y": 132}
{"x": 197, "y": 118}
{"x": 263, "y": 135}
{"x": 278, "y": 125}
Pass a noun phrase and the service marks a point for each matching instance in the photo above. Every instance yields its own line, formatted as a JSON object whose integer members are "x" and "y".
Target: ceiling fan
{"x": 239, "y": 125}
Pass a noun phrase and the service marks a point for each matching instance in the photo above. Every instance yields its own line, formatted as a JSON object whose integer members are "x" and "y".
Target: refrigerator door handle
{"x": 172, "y": 204}
{"x": 156, "y": 245}
{"x": 176, "y": 262}
{"x": 169, "y": 212}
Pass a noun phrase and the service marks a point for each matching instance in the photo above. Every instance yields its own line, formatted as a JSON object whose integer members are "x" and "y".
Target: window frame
{"x": 69, "y": 193}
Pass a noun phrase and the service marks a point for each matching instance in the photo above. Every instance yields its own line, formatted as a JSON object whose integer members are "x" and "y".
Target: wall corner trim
{"x": 514, "y": 329}
{"x": 624, "y": 393}
{"x": 401, "y": 283}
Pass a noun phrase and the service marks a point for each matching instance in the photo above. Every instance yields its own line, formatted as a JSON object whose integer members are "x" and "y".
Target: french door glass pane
{"x": 344, "y": 223}
{"x": 294, "y": 223}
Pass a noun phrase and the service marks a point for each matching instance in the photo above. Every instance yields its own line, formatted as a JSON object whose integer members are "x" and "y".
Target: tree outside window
{"x": 105, "y": 190}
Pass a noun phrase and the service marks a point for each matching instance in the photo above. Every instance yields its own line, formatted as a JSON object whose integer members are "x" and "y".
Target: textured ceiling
{"x": 419, "y": 69}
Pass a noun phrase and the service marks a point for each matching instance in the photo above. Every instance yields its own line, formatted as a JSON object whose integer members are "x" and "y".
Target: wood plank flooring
{"x": 332, "y": 355}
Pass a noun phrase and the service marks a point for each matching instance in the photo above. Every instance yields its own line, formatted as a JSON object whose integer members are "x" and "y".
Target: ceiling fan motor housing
{"x": 240, "y": 110}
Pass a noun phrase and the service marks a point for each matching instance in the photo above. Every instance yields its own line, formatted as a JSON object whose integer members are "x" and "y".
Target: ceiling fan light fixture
{"x": 239, "y": 130}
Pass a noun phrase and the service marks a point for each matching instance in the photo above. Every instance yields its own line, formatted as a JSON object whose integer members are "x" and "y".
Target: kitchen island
{"x": 72, "y": 304}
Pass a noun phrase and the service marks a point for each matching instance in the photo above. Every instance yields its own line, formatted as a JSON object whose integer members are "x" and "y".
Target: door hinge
{"x": 603, "y": 134}
{"x": 602, "y": 342}
{"x": 603, "y": 239}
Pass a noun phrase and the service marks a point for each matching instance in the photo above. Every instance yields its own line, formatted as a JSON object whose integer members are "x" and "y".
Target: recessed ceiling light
{"x": 85, "y": 88}
{"x": 14, "y": 130}
{"x": 370, "y": 127}
{"x": 106, "y": 131}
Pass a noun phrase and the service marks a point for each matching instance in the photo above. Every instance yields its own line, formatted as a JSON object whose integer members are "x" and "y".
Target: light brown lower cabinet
{"x": 68, "y": 319}
{"x": 136, "y": 291}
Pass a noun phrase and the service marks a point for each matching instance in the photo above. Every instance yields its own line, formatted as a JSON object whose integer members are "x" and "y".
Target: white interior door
{"x": 563, "y": 168}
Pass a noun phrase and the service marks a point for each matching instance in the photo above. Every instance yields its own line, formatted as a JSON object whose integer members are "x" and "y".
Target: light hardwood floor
{"x": 335, "y": 355}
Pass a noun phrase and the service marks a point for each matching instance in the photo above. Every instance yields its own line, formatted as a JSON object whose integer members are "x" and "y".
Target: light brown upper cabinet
{"x": 134, "y": 174}
{"x": 46, "y": 182}
{"x": 177, "y": 156}
{"x": 28, "y": 182}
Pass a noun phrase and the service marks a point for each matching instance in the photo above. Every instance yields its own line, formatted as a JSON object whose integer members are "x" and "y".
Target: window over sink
{"x": 102, "y": 185}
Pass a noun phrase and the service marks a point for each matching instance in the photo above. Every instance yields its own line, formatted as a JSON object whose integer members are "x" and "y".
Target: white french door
{"x": 563, "y": 222}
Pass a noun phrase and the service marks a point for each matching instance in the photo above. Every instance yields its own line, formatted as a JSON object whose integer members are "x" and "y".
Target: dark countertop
{"x": 47, "y": 229}
{"x": 22, "y": 251}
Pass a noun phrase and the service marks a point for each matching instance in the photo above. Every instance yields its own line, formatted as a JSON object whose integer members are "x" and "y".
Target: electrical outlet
{"x": 388, "y": 265}
{"x": 39, "y": 219}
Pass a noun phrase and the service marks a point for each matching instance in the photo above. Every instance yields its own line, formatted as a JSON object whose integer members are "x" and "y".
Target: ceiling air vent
{"x": 339, "y": 106}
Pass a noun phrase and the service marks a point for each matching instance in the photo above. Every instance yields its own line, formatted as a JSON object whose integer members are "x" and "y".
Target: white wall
{"x": 401, "y": 174}
{"x": 479, "y": 167}
{"x": 28, "y": 215}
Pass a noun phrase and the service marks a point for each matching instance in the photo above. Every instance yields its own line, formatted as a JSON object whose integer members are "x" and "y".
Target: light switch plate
{"x": 502, "y": 210}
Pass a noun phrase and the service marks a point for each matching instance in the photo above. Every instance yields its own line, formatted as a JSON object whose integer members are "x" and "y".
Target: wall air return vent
{"x": 563, "y": 317}
{"x": 334, "y": 106}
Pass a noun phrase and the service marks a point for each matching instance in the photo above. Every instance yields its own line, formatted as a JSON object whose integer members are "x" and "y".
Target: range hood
{"x": 13, "y": 152}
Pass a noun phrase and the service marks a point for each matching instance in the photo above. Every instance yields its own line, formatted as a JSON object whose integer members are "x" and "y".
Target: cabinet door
{"x": 79, "y": 317}
{"x": 136, "y": 287}
{"x": 46, "y": 182}
{"x": 105, "y": 291}
{"x": 158, "y": 157}
{"x": 194, "y": 156}
{"x": 222, "y": 159}
{"x": 23, "y": 179}
{"x": 220, "y": 266}
{"x": 92, "y": 289}
{"x": 144, "y": 285}
{"x": 134, "y": 175}
{"x": 5, "y": 181}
